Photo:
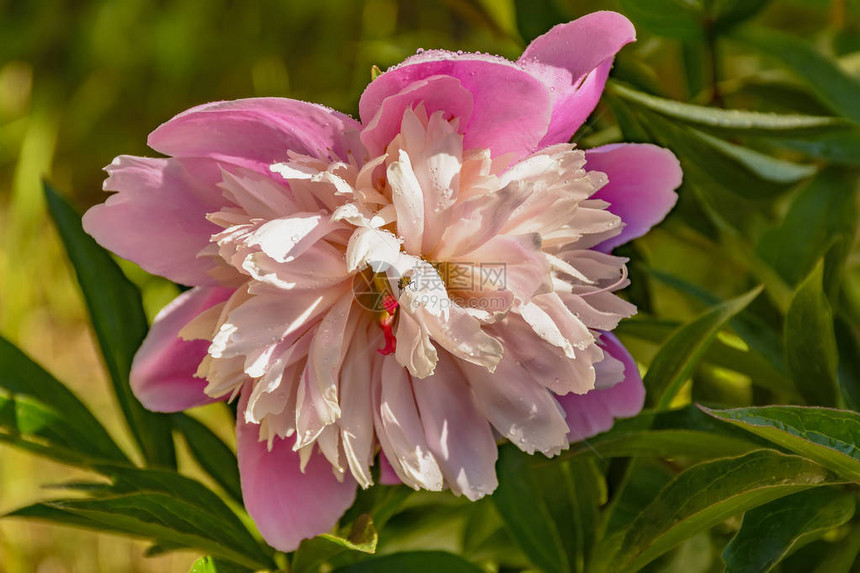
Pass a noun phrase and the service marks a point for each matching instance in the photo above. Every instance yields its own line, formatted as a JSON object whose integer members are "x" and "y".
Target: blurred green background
{"x": 83, "y": 81}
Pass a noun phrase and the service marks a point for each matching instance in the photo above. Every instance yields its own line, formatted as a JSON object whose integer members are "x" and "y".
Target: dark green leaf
{"x": 683, "y": 432}
{"x": 764, "y": 341}
{"x": 828, "y": 436}
{"x": 413, "y": 562}
{"x": 211, "y": 453}
{"x": 701, "y": 497}
{"x": 669, "y": 18}
{"x": 748, "y": 122}
{"x": 833, "y": 86}
{"x": 72, "y": 426}
{"x": 771, "y": 531}
{"x": 848, "y": 345}
{"x": 727, "y": 13}
{"x": 129, "y": 480}
{"x": 839, "y": 147}
{"x": 675, "y": 361}
{"x": 824, "y": 214}
{"x": 120, "y": 324}
{"x": 692, "y": 444}
{"x": 314, "y": 552}
{"x": 764, "y": 166}
{"x": 526, "y": 515}
{"x": 643, "y": 480}
{"x": 810, "y": 344}
{"x": 154, "y": 516}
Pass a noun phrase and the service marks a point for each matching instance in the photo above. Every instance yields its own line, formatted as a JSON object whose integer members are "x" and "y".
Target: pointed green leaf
{"x": 769, "y": 532}
{"x": 120, "y": 324}
{"x": 675, "y": 361}
{"x": 701, "y": 497}
{"x": 810, "y": 344}
{"x": 748, "y": 122}
{"x": 159, "y": 517}
{"x": 822, "y": 74}
{"x": 526, "y": 514}
{"x": 822, "y": 214}
{"x": 312, "y": 553}
{"x": 211, "y": 453}
{"x": 826, "y": 435}
{"x": 413, "y": 562}
{"x": 71, "y": 425}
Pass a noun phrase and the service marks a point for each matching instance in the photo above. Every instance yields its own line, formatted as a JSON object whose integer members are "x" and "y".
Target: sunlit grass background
{"x": 83, "y": 81}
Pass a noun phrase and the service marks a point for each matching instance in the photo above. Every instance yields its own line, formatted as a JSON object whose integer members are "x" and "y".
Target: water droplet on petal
{"x": 419, "y": 51}
{"x": 459, "y": 52}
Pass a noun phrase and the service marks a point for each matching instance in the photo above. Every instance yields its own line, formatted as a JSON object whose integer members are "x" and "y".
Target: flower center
{"x": 372, "y": 290}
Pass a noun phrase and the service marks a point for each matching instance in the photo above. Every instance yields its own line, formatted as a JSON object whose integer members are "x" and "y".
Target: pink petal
{"x": 595, "y": 412}
{"x": 510, "y": 111}
{"x": 162, "y": 373}
{"x": 158, "y": 217}
{"x": 642, "y": 180}
{"x": 387, "y": 475}
{"x": 520, "y": 410}
{"x": 399, "y": 429}
{"x": 288, "y": 505}
{"x": 573, "y": 60}
{"x": 436, "y": 93}
{"x": 458, "y": 435}
{"x": 259, "y": 131}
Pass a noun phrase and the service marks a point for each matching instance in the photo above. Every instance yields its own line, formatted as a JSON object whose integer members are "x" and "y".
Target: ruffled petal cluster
{"x": 403, "y": 290}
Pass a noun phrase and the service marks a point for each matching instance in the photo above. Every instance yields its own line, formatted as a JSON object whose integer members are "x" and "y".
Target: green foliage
{"x": 680, "y": 354}
{"x": 765, "y": 124}
{"x": 120, "y": 324}
{"x": 769, "y": 532}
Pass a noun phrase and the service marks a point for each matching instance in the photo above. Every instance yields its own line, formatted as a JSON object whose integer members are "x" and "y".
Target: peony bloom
{"x": 405, "y": 289}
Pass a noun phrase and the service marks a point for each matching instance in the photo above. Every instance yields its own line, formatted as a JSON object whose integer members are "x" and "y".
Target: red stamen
{"x": 386, "y": 321}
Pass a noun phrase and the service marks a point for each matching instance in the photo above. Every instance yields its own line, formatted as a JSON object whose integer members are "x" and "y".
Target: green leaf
{"x": 572, "y": 492}
{"x": 764, "y": 342}
{"x": 29, "y": 425}
{"x": 526, "y": 515}
{"x": 839, "y": 147}
{"x": 810, "y": 344}
{"x": 70, "y": 423}
{"x": 413, "y": 562}
{"x": 120, "y": 324}
{"x": 701, "y": 497}
{"x": 727, "y": 13}
{"x": 210, "y": 564}
{"x": 675, "y": 361}
{"x": 824, "y": 214}
{"x": 771, "y": 531}
{"x": 691, "y": 444}
{"x": 314, "y": 552}
{"x": 213, "y": 455}
{"x": 764, "y": 166}
{"x": 748, "y": 122}
{"x": 130, "y": 480}
{"x": 682, "y": 432}
{"x": 668, "y": 18}
{"x": 154, "y": 516}
{"x": 828, "y": 436}
{"x": 823, "y": 75}
{"x": 848, "y": 346}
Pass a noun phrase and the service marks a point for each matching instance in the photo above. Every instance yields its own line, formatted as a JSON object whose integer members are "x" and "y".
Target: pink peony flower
{"x": 408, "y": 288}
